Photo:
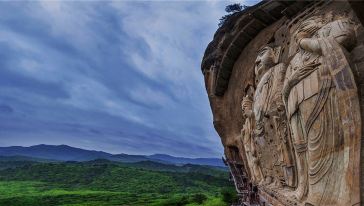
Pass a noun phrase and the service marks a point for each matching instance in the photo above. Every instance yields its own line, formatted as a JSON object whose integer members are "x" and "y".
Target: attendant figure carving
{"x": 320, "y": 94}
{"x": 248, "y": 141}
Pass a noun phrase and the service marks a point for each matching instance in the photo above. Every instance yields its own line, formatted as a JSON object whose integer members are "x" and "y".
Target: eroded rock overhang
{"x": 238, "y": 30}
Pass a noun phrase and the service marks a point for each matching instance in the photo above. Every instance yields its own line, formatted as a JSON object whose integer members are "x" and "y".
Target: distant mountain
{"x": 18, "y": 161}
{"x": 128, "y": 158}
{"x": 152, "y": 165}
{"x": 24, "y": 158}
{"x": 67, "y": 153}
{"x": 54, "y": 152}
{"x": 183, "y": 160}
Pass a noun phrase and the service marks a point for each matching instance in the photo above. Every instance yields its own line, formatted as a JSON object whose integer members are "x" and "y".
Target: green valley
{"x": 104, "y": 182}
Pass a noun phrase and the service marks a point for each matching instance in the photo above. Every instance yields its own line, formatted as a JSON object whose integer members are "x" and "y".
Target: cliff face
{"x": 284, "y": 82}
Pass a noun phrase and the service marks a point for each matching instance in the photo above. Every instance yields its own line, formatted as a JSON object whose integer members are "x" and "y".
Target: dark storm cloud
{"x": 122, "y": 77}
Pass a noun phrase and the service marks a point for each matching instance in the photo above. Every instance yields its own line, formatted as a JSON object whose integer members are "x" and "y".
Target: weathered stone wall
{"x": 287, "y": 164}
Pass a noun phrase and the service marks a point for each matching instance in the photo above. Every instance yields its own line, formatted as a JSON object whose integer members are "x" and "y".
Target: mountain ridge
{"x": 68, "y": 153}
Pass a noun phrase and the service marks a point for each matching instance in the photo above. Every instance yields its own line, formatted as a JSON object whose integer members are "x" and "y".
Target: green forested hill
{"x": 18, "y": 161}
{"x": 103, "y": 182}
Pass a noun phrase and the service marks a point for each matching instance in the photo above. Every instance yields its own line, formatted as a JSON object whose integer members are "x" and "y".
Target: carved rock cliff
{"x": 285, "y": 82}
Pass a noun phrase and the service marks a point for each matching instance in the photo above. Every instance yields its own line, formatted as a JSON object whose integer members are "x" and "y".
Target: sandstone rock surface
{"x": 285, "y": 84}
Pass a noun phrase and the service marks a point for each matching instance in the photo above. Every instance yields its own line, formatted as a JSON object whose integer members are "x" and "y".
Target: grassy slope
{"x": 107, "y": 183}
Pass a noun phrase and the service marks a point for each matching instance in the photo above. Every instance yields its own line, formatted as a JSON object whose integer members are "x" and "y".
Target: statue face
{"x": 264, "y": 60}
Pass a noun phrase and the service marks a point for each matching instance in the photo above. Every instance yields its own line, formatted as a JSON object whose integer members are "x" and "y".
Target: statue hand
{"x": 310, "y": 44}
{"x": 301, "y": 35}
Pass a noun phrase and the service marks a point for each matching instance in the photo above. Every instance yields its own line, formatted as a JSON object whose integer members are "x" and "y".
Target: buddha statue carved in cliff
{"x": 271, "y": 132}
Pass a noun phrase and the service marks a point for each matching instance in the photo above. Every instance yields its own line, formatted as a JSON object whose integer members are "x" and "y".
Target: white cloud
{"x": 69, "y": 20}
{"x": 176, "y": 33}
{"x": 89, "y": 94}
{"x": 150, "y": 97}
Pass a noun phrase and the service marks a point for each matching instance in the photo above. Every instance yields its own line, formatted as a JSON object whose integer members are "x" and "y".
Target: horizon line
{"x": 112, "y": 153}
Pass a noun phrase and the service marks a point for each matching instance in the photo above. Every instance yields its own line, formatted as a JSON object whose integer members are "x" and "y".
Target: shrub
{"x": 199, "y": 198}
{"x": 231, "y": 9}
{"x": 229, "y": 196}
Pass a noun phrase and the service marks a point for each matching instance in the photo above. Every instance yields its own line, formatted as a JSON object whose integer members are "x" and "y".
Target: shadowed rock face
{"x": 300, "y": 67}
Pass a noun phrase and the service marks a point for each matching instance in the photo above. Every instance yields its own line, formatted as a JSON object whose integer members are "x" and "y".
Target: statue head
{"x": 264, "y": 60}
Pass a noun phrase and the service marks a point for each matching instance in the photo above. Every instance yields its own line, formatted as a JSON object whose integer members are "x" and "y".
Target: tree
{"x": 199, "y": 198}
{"x": 232, "y": 8}
{"x": 229, "y": 196}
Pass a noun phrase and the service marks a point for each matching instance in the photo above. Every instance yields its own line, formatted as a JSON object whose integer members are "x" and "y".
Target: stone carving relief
{"x": 300, "y": 129}
{"x": 248, "y": 140}
{"x": 271, "y": 134}
{"x": 318, "y": 82}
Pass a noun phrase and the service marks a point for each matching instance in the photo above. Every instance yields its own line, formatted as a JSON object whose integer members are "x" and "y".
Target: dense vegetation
{"x": 103, "y": 182}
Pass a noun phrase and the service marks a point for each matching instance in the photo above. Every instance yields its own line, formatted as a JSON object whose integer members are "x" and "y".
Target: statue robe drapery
{"x": 320, "y": 88}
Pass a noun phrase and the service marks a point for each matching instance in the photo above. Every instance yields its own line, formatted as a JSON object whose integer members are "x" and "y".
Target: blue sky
{"x": 122, "y": 76}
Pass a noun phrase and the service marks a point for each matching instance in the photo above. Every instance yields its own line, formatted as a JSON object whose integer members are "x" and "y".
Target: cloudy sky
{"x": 122, "y": 77}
